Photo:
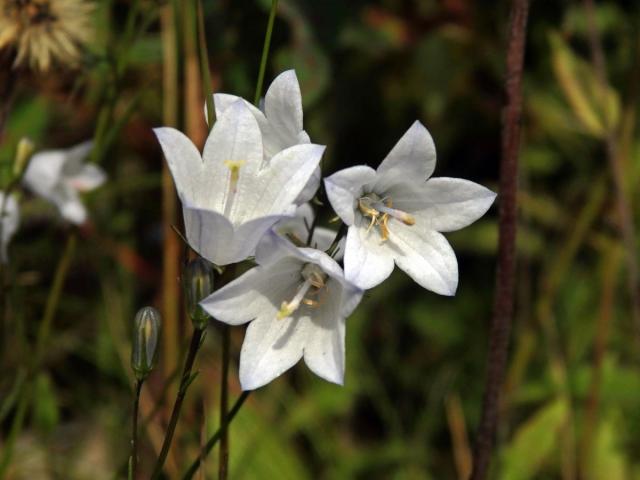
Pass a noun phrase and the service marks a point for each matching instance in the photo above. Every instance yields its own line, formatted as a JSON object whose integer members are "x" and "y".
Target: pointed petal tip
{"x": 288, "y": 75}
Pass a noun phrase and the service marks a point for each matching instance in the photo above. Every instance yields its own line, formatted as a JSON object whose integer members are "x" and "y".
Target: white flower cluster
{"x": 59, "y": 177}
{"x": 245, "y": 197}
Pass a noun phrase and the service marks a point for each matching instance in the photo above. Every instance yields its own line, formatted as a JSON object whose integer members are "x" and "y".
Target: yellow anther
{"x": 408, "y": 220}
{"x": 384, "y": 229}
{"x": 286, "y": 309}
{"x": 380, "y": 211}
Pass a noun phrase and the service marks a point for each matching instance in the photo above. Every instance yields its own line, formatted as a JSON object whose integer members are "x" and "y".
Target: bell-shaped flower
{"x": 280, "y": 121}
{"x": 230, "y": 195}
{"x": 298, "y": 228}
{"x": 59, "y": 176}
{"x": 297, "y": 301}
{"x": 9, "y": 220}
{"x": 396, "y": 214}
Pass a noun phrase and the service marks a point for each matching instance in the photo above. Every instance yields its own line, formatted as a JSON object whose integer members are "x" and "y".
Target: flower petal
{"x": 283, "y": 109}
{"x": 235, "y": 137}
{"x": 412, "y": 158}
{"x": 222, "y": 101}
{"x": 185, "y": 164}
{"x": 452, "y": 203}
{"x": 345, "y": 187}
{"x": 425, "y": 256}
{"x": 324, "y": 346}
{"x": 69, "y": 204}
{"x": 270, "y": 348}
{"x": 311, "y": 187}
{"x": 89, "y": 178}
{"x": 272, "y": 248}
{"x": 367, "y": 261}
{"x": 76, "y": 156}
{"x": 253, "y": 293}
{"x": 248, "y": 235}
{"x": 9, "y": 221}
{"x": 44, "y": 172}
{"x": 209, "y": 233}
{"x": 324, "y": 237}
{"x": 277, "y": 185}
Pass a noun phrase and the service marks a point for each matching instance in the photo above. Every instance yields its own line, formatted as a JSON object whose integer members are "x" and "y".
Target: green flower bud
{"x": 24, "y": 151}
{"x": 146, "y": 333}
{"x": 197, "y": 281}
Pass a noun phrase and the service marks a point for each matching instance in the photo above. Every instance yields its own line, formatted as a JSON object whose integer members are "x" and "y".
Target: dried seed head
{"x": 44, "y": 31}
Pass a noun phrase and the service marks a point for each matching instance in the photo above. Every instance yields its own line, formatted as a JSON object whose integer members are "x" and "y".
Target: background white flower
{"x": 9, "y": 220}
{"x": 280, "y": 121}
{"x": 394, "y": 215}
{"x": 60, "y": 175}
{"x": 296, "y": 229}
{"x": 297, "y": 301}
{"x": 230, "y": 196}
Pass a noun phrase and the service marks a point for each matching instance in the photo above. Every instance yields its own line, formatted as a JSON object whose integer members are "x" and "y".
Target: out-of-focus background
{"x": 415, "y": 360}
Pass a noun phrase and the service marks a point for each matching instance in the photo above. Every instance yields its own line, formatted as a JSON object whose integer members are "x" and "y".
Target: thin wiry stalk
{"x": 505, "y": 275}
{"x": 134, "y": 430}
{"x": 215, "y": 437}
{"x": 265, "y": 51}
{"x": 196, "y": 341}
{"x": 203, "y": 54}
{"x": 223, "y": 466}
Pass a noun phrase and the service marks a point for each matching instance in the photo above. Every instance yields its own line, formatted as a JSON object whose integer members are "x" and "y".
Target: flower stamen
{"x": 380, "y": 210}
{"x": 314, "y": 284}
{"x": 234, "y": 167}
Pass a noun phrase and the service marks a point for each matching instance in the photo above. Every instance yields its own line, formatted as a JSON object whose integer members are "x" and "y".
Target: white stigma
{"x": 314, "y": 280}
{"x": 234, "y": 168}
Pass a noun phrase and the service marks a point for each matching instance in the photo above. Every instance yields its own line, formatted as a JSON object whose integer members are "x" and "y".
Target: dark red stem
{"x": 506, "y": 271}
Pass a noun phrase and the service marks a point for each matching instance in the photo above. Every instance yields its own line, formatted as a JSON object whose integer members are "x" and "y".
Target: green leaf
{"x": 534, "y": 442}
{"x": 596, "y": 106}
{"x": 607, "y": 459}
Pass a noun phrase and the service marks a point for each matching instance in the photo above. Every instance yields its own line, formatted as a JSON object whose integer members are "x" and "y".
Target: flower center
{"x": 234, "y": 169}
{"x": 380, "y": 210}
{"x": 311, "y": 292}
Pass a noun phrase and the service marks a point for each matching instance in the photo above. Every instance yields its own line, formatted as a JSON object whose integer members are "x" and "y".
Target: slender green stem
{"x": 204, "y": 63}
{"x": 134, "y": 430}
{"x": 223, "y": 469}
{"x": 215, "y": 437}
{"x": 265, "y": 51}
{"x": 177, "y": 406}
{"x": 53, "y": 300}
{"x": 16, "y": 426}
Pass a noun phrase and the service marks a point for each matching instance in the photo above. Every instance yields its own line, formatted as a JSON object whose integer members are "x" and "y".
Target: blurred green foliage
{"x": 367, "y": 70}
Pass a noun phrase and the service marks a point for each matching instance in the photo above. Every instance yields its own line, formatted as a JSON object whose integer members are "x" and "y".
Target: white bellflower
{"x": 395, "y": 215}
{"x": 230, "y": 195}
{"x": 297, "y": 301}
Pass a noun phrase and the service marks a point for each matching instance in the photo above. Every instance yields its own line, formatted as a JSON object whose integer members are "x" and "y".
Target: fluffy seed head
{"x": 45, "y": 31}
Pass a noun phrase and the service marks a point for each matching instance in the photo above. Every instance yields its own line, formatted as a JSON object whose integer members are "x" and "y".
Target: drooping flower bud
{"x": 146, "y": 333}
{"x": 197, "y": 281}
{"x": 24, "y": 152}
